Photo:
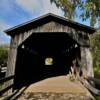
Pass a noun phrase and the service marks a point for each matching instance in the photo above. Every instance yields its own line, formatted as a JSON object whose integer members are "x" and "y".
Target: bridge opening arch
{"x": 44, "y": 55}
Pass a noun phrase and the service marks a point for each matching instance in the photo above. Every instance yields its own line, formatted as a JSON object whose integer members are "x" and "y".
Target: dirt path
{"x": 60, "y": 84}
{"x": 56, "y": 87}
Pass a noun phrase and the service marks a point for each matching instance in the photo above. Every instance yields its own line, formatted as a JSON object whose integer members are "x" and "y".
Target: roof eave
{"x": 90, "y": 29}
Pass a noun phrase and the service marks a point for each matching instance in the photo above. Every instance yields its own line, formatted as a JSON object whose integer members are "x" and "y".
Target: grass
{"x": 97, "y": 72}
{"x": 97, "y": 75}
{"x": 96, "y": 69}
{"x": 97, "y": 97}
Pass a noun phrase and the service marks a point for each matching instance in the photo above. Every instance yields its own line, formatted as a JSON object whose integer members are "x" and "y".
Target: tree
{"x": 95, "y": 44}
{"x": 3, "y": 56}
{"x": 67, "y": 6}
{"x": 89, "y": 9}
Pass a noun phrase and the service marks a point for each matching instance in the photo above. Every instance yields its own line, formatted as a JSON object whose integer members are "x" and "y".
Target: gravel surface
{"x": 53, "y": 96}
{"x": 56, "y": 88}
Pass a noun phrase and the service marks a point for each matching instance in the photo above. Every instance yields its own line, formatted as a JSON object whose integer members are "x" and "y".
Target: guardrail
{"x": 3, "y": 80}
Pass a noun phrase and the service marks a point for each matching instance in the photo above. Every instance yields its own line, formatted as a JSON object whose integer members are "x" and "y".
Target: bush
{"x": 3, "y": 55}
{"x": 95, "y": 44}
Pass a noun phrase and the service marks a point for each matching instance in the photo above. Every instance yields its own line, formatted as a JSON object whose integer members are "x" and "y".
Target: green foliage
{"x": 3, "y": 55}
{"x": 95, "y": 44}
{"x": 89, "y": 9}
{"x": 97, "y": 97}
{"x": 67, "y": 6}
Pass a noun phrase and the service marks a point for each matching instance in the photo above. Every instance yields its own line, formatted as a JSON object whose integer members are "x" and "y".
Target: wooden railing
{"x": 91, "y": 87}
{"x": 2, "y": 81}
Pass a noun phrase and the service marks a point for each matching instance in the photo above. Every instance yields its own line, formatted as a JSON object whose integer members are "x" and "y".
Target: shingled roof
{"x": 47, "y": 18}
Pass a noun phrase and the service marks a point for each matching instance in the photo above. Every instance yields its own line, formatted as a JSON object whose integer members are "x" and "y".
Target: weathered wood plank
{"x": 11, "y": 62}
{"x": 80, "y": 36}
{"x": 90, "y": 87}
{"x": 86, "y": 62}
{"x": 95, "y": 80}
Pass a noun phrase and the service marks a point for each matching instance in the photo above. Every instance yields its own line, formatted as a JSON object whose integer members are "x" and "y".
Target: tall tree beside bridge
{"x": 89, "y": 9}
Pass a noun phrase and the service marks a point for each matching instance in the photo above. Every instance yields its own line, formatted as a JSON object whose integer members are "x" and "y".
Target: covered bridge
{"x": 46, "y": 47}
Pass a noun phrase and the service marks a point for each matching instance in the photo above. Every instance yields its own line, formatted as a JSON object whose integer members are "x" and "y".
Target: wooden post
{"x": 86, "y": 62}
{"x": 11, "y": 63}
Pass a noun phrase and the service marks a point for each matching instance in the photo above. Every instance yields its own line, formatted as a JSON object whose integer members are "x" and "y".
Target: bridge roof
{"x": 47, "y": 18}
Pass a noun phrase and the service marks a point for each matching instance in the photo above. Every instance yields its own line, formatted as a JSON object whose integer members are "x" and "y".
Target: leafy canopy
{"x": 95, "y": 44}
{"x": 89, "y": 9}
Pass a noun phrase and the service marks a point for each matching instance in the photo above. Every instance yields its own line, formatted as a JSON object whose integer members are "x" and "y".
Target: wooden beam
{"x": 11, "y": 62}
{"x": 90, "y": 87}
{"x": 86, "y": 62}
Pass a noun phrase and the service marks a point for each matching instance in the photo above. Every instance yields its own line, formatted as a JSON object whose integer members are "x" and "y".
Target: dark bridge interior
{"x": 30, "y": 65}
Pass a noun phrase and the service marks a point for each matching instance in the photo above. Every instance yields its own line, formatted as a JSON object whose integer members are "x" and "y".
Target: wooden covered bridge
{"x": 46, "y": 47}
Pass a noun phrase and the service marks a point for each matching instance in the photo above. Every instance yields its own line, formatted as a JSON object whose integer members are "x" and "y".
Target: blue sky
{"x": 14, "y": 12}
